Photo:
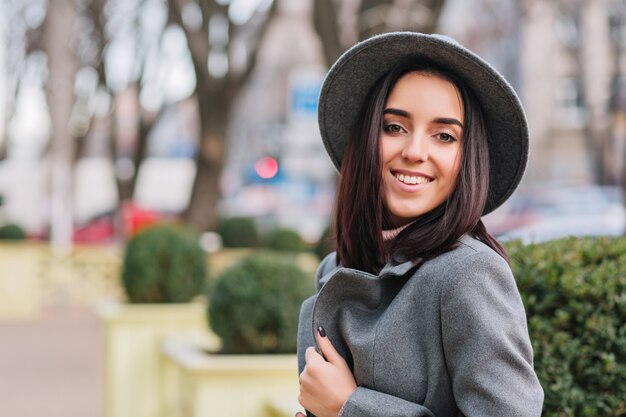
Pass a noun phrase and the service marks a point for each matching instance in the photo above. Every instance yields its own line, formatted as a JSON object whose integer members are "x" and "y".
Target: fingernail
{"x": 321, "y": 331}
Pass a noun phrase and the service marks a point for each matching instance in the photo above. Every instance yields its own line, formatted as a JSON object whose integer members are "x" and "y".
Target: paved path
{"x": 52, "y": 366}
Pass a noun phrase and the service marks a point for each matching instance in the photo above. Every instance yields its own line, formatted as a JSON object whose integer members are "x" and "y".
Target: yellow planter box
{"x": 202, "y": 384}
{"x": 133, "y": 371}
{"x": 20, "y": 286}
{"x": 282, "y": 407}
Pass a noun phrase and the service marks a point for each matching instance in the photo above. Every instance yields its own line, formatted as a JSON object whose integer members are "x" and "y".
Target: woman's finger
{"x": 310, "y": 354}
{"x": 328, "y": 350}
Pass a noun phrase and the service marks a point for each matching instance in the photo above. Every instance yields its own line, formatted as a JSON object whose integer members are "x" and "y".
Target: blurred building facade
{"x": 567, "y": 61}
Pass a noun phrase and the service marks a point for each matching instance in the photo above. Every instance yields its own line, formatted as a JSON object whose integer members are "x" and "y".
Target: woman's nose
{"x": 416, "y": 148}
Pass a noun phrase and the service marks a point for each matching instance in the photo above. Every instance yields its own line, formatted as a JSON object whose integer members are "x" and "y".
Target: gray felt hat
{"x": 357, "y": 70}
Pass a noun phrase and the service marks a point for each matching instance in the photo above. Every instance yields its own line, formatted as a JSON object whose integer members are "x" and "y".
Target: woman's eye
{"x": 446, "y": 137}
{"x": 392, "y": 128}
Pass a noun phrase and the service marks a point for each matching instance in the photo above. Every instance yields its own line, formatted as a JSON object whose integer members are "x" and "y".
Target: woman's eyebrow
{"x": 398, "y": 112}
{"x": 448, "y": 121}
{"x": 438, "y": 120}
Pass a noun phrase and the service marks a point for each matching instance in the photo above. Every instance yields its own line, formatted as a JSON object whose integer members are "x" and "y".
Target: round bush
{"x": 238, "y": 232}
{"x": 164, "y": 264}
{"x": 255, "y": 303}
{"x": 286, "y": 240}
{"x": 574, "y": 291}
{"x": 12, "y": 232}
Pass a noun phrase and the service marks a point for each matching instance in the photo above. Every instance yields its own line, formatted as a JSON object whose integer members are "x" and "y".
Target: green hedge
{"x": 574, "y": 291}
{"x": 255, "y": 303}
{"x": 164, "y": 264}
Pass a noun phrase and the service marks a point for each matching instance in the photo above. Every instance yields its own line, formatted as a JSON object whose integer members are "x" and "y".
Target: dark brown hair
{"x": 360, "y": 215}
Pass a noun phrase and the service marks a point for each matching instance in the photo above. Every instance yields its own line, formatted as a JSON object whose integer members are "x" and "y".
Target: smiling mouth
{"x": 412, "y": 180}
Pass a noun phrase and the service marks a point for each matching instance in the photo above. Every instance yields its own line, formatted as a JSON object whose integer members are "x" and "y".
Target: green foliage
{"x": 574, "y": 291}
{"x": 164, "y": 264}
{"x": 326, "y": 244}
{"x": 238, "y": 232}
{"x": 12, "y": 232}
{"x": 255, "y": 303}
{"x": 287, "y": 240}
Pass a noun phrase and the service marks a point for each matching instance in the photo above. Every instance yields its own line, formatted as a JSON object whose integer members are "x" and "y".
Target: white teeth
{"x": 412, "y": 180}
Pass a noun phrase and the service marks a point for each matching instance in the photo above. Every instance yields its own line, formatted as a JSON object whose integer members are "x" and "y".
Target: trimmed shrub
{"x": 287, "y": 240}
{"x": 238, "y": 232}
{"x": 255, "y": 303}
{"x": 12, "y": 232}
{"x": 574, "y": 291}
{"x": 164, "y": 264}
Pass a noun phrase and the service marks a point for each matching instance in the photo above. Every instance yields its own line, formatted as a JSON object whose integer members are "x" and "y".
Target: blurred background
{"x": 113, "y": 113}
{"x": 120, "y": 114}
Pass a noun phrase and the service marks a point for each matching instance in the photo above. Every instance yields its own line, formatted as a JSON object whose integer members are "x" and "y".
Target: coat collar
{"x": 390, "y": 270}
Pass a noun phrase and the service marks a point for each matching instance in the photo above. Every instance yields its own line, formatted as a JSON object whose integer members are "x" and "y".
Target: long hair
{"x": 360, "y": 215}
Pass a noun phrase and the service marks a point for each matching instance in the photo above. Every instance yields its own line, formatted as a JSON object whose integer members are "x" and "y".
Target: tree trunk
{"x": 201, "y": 212}
{"x": 59, "y": 46}
{"x": 215, "y": 97}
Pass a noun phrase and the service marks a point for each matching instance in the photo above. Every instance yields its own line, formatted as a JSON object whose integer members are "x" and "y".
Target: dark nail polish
{"x": 321, "y": 331}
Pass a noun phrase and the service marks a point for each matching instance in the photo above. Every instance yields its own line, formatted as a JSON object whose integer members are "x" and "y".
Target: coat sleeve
{"x": 485, "y": 339}
{"x": 365, "y": 402}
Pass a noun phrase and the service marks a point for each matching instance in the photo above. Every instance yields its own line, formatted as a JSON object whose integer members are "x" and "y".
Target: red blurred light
{"x": 266, "y": 168}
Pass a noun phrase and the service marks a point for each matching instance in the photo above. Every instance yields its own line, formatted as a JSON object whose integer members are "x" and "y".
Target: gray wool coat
{"x": 444, "y": 338}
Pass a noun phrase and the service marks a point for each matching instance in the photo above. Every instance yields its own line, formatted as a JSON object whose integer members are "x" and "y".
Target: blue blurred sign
{"x": 304, "y": 98}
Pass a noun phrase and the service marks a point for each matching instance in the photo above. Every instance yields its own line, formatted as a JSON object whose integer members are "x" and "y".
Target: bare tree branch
{"x": 251, "y": 64}
{"x": 372, "y": 17}
{"x": 197, "y": 41}
{"x": 326, "y": 23}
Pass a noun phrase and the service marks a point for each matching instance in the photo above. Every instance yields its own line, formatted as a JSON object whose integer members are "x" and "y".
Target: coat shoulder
{"x": 469, "y": 255}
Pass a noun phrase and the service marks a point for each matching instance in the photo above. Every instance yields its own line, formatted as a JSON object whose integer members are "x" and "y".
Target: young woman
{"x": 417, "y": 312}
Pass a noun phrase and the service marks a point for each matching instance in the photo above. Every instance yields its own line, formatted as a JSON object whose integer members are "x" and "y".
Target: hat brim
{"x": 357, "y": 70}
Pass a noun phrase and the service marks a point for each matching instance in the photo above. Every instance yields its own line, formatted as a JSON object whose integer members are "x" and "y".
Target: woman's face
{"x": 420, "y": 145}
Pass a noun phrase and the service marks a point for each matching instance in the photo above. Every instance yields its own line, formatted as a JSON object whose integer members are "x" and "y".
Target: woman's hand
{"x": 325, "y": 385}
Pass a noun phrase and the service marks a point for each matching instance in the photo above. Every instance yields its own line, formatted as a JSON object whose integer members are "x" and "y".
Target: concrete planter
{"x": 133, "y": 370}
{"x": 202, "y": 384}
